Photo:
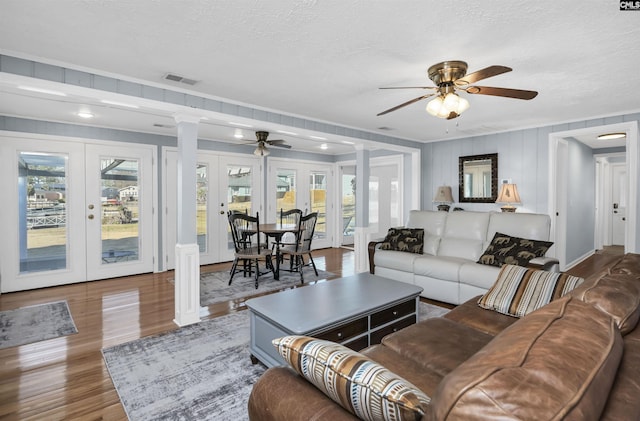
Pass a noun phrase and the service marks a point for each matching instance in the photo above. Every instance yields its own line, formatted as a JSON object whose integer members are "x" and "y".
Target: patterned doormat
{"x": 36, "y": 323}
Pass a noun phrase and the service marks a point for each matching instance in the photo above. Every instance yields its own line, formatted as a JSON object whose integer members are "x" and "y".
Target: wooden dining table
{"x": 276, "y": 231}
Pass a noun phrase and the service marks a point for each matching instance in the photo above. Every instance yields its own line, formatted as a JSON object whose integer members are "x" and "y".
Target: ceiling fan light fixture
{"x": 261, "y": 150}
{"x": 448, "y": 106}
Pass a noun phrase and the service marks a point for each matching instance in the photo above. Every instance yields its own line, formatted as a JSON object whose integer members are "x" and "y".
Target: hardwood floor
{"x": 66, "y": 379}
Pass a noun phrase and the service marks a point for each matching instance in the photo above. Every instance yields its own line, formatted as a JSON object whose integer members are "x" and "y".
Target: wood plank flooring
{"x": 66, "y": 379}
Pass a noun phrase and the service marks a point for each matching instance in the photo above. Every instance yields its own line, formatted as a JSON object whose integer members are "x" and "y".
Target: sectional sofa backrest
{"x": 467, "y": 234}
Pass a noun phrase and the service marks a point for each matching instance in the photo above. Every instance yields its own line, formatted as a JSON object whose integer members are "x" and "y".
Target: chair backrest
{"x": 291, "y": 216}
{"x": 306, "y": 230}
{"x": 243, "y": 229}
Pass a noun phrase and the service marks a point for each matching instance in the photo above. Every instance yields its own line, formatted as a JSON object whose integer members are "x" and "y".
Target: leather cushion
{"x": 518, "y": 291}
{"x": 360, "y": 385}
{"x": 558, "y": 362}
{"x": 617, "y": 295}
{"x": 505, "y": 249}
{"x": 437, "y": 344}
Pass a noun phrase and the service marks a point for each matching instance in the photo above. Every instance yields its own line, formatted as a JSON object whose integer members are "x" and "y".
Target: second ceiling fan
{"x": 451, "y": 76}
{"x": 261, "y": 140}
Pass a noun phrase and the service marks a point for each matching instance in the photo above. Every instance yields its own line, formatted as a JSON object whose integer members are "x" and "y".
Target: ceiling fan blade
{"x": 408, "y": 87}
{"x": 506, "y": 92}
{"x": 280, "y": 143}
{"x": 404, "y": 104}
{"x": 482, "y": 74}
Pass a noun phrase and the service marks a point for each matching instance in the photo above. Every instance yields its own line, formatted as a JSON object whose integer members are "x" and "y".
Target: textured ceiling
{"x": 325, "y": 60}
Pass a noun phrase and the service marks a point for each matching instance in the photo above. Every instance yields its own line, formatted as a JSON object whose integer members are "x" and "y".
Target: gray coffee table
{"x": 356, "y": 311}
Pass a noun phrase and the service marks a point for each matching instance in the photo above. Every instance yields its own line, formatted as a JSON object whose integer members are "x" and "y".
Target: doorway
{"x": 224, "y": 183}
{"x": 558, "y": 229}
{"x": 76, "y": 211}
{"x": 304, "y": 186}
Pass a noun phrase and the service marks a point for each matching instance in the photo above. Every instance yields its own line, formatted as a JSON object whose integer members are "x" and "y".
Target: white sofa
{"x": 453, "y": 243}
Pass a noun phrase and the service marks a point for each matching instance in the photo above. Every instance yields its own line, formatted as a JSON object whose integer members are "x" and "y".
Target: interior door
{"x": 224, "y": 183}
{"x": 49, "y": 238}
{"x": 619, "y": 204}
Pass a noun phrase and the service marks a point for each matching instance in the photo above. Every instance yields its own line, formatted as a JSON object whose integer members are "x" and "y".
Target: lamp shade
{"x": 443, "y": 195}
{"x": 509, "y": 196}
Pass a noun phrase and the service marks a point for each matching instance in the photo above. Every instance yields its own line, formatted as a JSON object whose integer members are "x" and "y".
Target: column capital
{"x": 186, "y": 118}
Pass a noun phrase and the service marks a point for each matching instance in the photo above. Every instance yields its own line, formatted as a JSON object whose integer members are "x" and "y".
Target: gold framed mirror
{"x": 478, "y": 178}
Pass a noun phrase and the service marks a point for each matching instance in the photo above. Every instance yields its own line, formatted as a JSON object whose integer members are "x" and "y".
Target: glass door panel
{"x": 286, "y": 190}
{"x": 348, "y": 206}
{"x": 318, "y": 196}
{"x": 119, "y": 210}
{"x": 202, "y": 195}
{"x": 42, "y": 214}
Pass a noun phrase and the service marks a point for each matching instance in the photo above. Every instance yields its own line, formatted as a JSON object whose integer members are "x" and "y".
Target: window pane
{"x": 42, "y": 213}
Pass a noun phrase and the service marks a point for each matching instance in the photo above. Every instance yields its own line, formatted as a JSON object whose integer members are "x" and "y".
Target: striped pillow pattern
{"x": 358, "y": 384}
{"x": 518, "y": 291}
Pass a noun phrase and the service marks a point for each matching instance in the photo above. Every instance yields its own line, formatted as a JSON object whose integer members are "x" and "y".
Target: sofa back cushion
{"x": 433, "y": 224}
{"x": 558, "y": 362}
{"x": 524, "y": 225}
{"x": 464, "y": 235}
{"x": 618, "y": 295}
{"x": 432, "y": 221}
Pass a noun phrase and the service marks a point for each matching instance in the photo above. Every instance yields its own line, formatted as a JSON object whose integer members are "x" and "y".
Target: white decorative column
{"x": 187, "y": 272}
{"x": 361, "y": 232}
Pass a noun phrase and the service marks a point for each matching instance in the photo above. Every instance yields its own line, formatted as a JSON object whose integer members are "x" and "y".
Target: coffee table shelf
{"x": 356, "y": 311}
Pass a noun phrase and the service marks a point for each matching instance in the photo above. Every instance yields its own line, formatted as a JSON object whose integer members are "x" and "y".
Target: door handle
{"x": 615, "y": 211}
{"x": 90, "y": 216}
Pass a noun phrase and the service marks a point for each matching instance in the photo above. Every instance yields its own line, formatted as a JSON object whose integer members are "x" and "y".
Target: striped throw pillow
{"x": 358, "y": 384}
{"x": 519, "y": 291}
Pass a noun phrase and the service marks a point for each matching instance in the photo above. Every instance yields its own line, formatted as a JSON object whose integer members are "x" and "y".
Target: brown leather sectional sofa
{"x": 577, "y": 358}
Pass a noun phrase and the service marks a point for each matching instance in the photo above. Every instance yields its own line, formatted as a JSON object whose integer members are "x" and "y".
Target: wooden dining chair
{"x": 288, "y": 217}
{"x": 302, "y": 247}
{"x": 245, "y": 231}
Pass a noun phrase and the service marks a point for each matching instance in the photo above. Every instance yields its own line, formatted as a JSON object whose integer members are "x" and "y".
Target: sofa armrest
{"x": 550, "y": 264}
{"x": 281, "y": 394}
{"x": 372, "y": 251}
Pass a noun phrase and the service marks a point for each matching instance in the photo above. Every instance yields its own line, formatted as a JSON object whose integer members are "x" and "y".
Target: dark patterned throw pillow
{"x": 410, "y": 240}
{"x": 505, "y": 249}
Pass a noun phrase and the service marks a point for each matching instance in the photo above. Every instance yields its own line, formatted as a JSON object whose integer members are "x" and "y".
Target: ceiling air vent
{"x": 177, "y": 78}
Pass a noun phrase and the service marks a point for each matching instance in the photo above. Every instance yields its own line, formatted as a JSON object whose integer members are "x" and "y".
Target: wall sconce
{"x": 508, "y": 195}
{"x": 443, "y": 197}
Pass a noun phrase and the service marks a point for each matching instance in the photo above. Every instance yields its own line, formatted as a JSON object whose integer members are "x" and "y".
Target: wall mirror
{"x": 478, "y": 178}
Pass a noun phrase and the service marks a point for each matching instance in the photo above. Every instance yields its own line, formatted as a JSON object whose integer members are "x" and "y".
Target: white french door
{"x": 303, "y": 186}
{"x": 225, "y": 182}
{"x": 74, "y": 211}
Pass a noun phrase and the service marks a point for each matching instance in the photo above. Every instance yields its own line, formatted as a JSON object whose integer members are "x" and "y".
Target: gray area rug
{"x": 36, "y": 323}
{"x": 198, "y": 372}
{"x": 214, "y": 285}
